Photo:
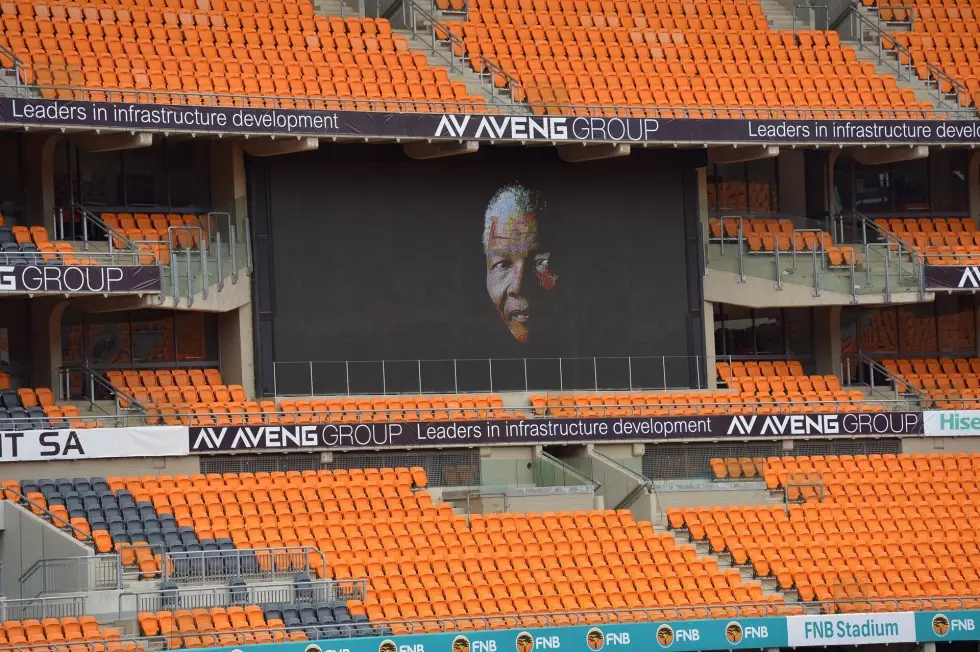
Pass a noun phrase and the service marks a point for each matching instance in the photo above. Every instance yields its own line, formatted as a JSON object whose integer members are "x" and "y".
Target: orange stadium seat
{"x": 219, "y": 51}
{"x": 941, "y": 240}
{"x": 869, "y": 528}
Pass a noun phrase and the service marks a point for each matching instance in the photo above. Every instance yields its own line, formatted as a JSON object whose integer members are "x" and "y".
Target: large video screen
{"x": 447, "y": 267}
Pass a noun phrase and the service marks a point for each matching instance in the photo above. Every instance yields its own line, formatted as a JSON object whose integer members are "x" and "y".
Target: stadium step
{"x": 886, "y": 61}
{"x": 458, "y": 70}
{"x": 779, "y": 17}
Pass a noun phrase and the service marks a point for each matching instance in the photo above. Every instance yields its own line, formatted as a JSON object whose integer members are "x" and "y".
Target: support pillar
{"x": 973, "y": 184}
{"x": 46, "y": 313}
{"x": 826, "y": 339}
{"x": 792, "y": 182}
{"x": 235, "y": 342}
{"x": 709, "y": 345}
{"x": 37, "y": 165}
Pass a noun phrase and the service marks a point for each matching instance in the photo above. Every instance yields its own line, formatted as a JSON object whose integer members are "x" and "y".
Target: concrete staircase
{"x": 780, "y": 18}
{"x": 886, "y": 61}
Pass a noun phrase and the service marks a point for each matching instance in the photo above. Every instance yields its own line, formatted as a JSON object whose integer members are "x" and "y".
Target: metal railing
{"x": 91, "y": 228}
{"x": 300, "y": 418}
{"x": 80, "y": 381}
{"x": 10, "y": 60}
{"x": 299, "y": 591}
{"x": 472, "y": 375}
{"x": 71, "y": 575}
{"x": 441, "y": 37}
{"x": 855, "y": 227}
{"x": 22, "y": 501}
{"x": 44, "y": 607}
{"x": 872, "y": 369}
{"x": 860, "y": 23}
{"x": 206, "y": 566}
{"x": 194, "y": 100}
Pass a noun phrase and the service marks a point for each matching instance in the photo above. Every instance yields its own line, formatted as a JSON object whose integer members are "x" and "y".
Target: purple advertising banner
{"x": 952, "y": 277}
{"x": 547, "y": 431}
{"x": 519, "y": 128}
{"x": 80, "y": 279}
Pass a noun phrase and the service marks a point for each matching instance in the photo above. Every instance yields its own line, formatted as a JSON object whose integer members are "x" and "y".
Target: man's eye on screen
{"x": 503, "y": 263}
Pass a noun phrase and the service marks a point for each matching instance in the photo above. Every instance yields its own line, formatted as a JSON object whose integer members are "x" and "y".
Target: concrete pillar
{"x": 826, "y": 339}
{"x": 831, "y": 162}
{"x": 709, "y": 344}
{"x": 792, "y": 182}
{"x": 228, "y": 180}
{"x": 46, "y": 313}
{"x": 236, "y": 348}
{"x": 973, "y": 184}
{"x": 37, "y": 164}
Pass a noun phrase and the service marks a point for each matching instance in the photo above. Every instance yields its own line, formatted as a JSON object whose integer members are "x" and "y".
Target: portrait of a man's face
{"x": 519, "y": 265}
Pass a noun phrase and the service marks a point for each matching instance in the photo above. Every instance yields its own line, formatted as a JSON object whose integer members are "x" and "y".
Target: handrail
{"x": 193, "y": 100}
{"x": 571, "y": 470}
{"x": 110, "y": 233}
{"x": 895, "y": 378}
{"x": 644, "y": 484}
{"x": 7, "y": 53}
{"x": 120, "y": 394}
{"x": 285, "y": 419}
{"x": 54, "y": 519}
{"x": 440, "y": 32}
{"x": 58, "y": 567}
{"x": 940, "y": 76}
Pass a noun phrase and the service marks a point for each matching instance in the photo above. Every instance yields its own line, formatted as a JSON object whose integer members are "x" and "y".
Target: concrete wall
{"x": 939, "y": 445}
{"x": 100, "y": 468}
{"x": 507, "y": 466}
{"x": 711, "y": 497}
{"x": 26, "y": 539}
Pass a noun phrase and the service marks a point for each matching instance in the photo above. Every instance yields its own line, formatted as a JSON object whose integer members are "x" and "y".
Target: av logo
{"x": 452, "y": 125}
{"x": 970, "y": 278}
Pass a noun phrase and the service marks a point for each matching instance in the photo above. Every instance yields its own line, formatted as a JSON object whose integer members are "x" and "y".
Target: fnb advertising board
{"x": 546, "y": 431}
{"x": 680, "y": 636}
{"x": 850, "y": 629}
{"x": 947, "y": 626}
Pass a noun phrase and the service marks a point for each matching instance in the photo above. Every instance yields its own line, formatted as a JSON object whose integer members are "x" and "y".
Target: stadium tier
{"x": 767, "y": 236}
{"x": 942, "y": 241}
{"x": 561, "y": 56}
{"x": 220, "y": 51}
{"x": 871, "y": 527}
{"x": 61, "y": 633}
{"x": 35, "y": 409}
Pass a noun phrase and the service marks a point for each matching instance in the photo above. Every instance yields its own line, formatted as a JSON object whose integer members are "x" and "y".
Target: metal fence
{"x": 207, "y": 566}
{"x": 38, "y": 608}
{"x": 72, "y": 575}
{"x": 380, "y": 377}
{"x": 169, "y": 598}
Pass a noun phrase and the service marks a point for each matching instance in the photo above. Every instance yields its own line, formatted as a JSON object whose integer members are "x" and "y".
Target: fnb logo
{"x": 484, "y": 646}
{"x": 962, "y": 625}
{"x": 418, "y": 647}
{"x": 618, "y": 638}
{"x": 691, "y": 634}
{"x": 818, "y": 629}
{"x": 547, "y": 643}
{"x": 756, "y": 631}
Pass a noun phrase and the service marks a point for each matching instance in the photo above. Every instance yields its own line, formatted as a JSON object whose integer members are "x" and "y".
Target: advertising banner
{"x": 92, "y": 443}
{"x": 544, "y": 431}
{"x": 952, "y": 277}
{"x": 81, "y": 279}
{"x": 298, "y": 122}
{"x": 851, "y": 629}
{"x": 947, "y": 423}
{"x": 947, "y": 626}
{"x": 679, "y": 636}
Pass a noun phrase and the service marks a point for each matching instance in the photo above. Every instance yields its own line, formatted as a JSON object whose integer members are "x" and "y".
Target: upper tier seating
{"x": 35, "y": 409}
{"x": 763, "y": 236}
{"x": 20, "y": 245}
{"x": 565, "y": 55}
{"x": 946, "y": 37}
{"x": 886, "y": 526}
{"x": 214, "y": 52}
{"x": 954, "y": 383}
{"x": 942, "y": 240}
{"x": 199, "y": 397}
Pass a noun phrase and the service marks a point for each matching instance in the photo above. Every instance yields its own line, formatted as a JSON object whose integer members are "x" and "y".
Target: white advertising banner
{"x": 92, "y": 443}
{"x": 851, "y": 629}
{"x": 948, "y": 423}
